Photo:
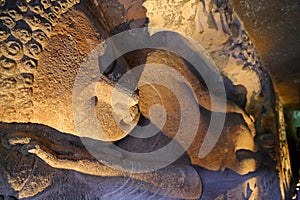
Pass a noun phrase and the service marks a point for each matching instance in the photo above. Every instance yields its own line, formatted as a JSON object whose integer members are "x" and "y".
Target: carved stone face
{"x": 37, "y": 80}
{"x": 236, "y": 142}
{"x": 43, "y": 95}
{"x": 221, "y": 34}
{"x": 49, "y": 89}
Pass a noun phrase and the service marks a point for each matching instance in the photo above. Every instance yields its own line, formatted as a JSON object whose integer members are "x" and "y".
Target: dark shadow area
{"x": 293, "y": 137}
{"x": 15, "y": 161}
{"x": 220, "y": 183}
{"x": 66, "y": 183}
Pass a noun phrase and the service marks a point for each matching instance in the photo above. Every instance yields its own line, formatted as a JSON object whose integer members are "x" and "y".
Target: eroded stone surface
{"x": 220, "y": 31}
{"x": 229, "y": 48}
{"x": 274, "y": 29}
{"x": 237, "y": 134}
{"x": 37, "y": 79}
{"x": 32, "y": 177}
{"x": 25, "y": 28}
{"x": 42, "y": 93}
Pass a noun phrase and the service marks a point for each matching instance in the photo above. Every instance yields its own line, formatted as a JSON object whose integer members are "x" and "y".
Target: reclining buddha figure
{"x": 89, "y": 111}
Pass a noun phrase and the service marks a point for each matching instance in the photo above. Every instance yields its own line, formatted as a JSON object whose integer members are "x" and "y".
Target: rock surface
{"x": 274, "y": 29}
{"x": 41, "y": 84}
{"x": 38, "y": 80}
{"x": 33, "y": 157}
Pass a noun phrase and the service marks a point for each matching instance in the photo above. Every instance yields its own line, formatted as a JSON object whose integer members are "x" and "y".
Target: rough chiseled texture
{"x": 25, "y": 30}
{"x": 274, "y": 29}
{"x": 36, "y": 86}
{"x": 35, "y": 82}
{"x": 26, "y": 158}
{"x": 220, "y": 31}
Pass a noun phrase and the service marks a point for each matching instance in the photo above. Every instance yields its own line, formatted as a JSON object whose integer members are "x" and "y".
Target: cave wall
{"x": 283, "y": 154}
{"x": 37, "y": 84}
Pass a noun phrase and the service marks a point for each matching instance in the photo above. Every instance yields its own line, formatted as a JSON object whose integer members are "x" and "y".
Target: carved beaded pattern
{"x": 24, "y": 32}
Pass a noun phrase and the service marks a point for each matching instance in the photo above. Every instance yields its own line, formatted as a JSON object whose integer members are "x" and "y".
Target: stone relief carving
{"x": 29, "y": 66}
{"x": 27, "y": 178}
{"x": 223, "y": 35}
{"x": 25, "y": 29}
